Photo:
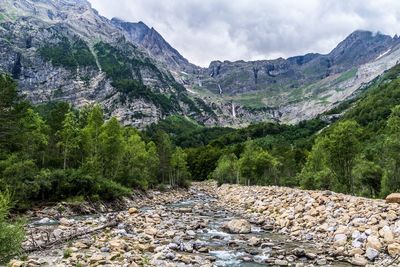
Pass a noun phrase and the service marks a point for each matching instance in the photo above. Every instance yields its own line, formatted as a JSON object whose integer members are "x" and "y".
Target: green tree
{"x": 11, "y": 233}
{"x": 368, "y": 176}
{"x": 391, "y": 181}
{"x": 152, "y": 163}
{"x": 90, "y": 138}
{"x": 135, "y": 171}
{"x": 257, "y": 166}
{"x": 11, "y": 110}
{"x": 33, "y": 136}
{"x": 227, "y": 170}
{"x": 333, "y": 158}
{"x": 180, "y": 174}
{"x": 69, "y": 137}
{"x": 112, "y": 148}
{"x": 316, "y": 174}
{"x": 165, "y": 150}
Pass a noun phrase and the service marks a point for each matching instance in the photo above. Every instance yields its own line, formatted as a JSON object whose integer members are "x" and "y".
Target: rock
{"x": 96, "y": 258}
{"x": 393, "y": 198}
{"x": 281, "y": 262}
{"x": 133, "y": 210}
{"x": 117, "y": 244}
{"x": 65, "y": 222}
{"x": 371, "y": 253}
{"x": 359, "y": 261}
{"x": 254, "y": 241}
{"x": 373, "y": 242}
{"x": 340, "y": 240}
{"x": 16, "y": 263}
{"x": 394, "y": 249}
{"x": 80, "y": 245}
{"x": 356, "y": 251}
{"x": 321, "y": 262}
{"x": 238, "y": 226}
{"x": 105, "y": 249}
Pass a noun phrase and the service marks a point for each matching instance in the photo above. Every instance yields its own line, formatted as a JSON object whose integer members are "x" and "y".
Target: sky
{"x": 207, "y": 30}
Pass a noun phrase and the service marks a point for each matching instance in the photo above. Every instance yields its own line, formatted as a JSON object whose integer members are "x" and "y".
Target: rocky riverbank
{"x": 225, "y": 226}
{"x": 365, "y": 231}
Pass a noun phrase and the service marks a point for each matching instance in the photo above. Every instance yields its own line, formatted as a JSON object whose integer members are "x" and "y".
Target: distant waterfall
{"x": 233, "y": 110}
{"x": 220, "y": 89}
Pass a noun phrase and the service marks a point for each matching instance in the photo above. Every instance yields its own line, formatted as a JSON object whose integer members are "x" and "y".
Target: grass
{"x": 347, "y": 75}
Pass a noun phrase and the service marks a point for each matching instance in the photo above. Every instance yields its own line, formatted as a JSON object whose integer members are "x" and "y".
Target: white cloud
{"x": 206, "y": 30}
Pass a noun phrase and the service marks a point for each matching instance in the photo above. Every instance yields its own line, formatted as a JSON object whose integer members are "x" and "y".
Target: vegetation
{"x": 53, "y": 152}
{"x": 357, "y": 154}
{"x": 11, "y": 234}
{"x": 68, "y": 53}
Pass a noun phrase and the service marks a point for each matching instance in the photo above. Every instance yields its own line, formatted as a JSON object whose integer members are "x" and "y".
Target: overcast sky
{"x": 206, "y": 30}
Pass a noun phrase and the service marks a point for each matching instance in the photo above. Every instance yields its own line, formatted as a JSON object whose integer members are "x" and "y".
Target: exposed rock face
{"x": 64, "y": 50}
{"x": 303, "y": 87}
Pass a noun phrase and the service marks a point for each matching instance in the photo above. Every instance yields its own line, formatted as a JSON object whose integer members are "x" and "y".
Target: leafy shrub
{"x": 11, "y": 234}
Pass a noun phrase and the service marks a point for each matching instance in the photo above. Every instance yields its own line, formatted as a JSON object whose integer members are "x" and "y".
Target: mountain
{"x": 302, "y": 87}
{"x": 65, "y": 50}
{"x": 139, "y": 33}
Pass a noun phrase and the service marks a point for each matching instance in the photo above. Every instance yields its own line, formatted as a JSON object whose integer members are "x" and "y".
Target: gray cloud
{"x": 206, "y": 30}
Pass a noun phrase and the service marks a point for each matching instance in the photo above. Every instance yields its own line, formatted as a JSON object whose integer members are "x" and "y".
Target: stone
{"x": 359, "y": 261}
{"x": 281, "y": 262}
{"x": 371, "y": 253}
{"x": 393, "y": 198}
{"x": 254, "y": 241}
{"x": 373, "y": 242}
{"x": 356, "y": 251}
{"x": 96, "y": 258}
{"x": 117, "y": 244}
{"x": 16, "y": 263}
{"x": 133, "y": 210}
{"x": 394, "y": 249}
{"x": 340, "y": 240}
{"x": 237, "y": 226}
{"x": 65, "y": 222}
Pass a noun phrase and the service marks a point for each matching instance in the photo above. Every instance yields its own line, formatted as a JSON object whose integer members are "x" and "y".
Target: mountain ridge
{"x": 137, "y": 76}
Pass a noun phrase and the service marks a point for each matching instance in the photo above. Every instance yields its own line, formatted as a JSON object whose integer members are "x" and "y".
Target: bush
{"x": 11, "y": 234}
{"x": 109, "y": 190}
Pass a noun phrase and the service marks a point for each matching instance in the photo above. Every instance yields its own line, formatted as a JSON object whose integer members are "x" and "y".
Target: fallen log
{"x": 69, "y": 238}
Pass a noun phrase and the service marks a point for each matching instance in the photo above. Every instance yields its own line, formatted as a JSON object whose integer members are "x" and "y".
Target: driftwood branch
{"x": 36, "y": 247}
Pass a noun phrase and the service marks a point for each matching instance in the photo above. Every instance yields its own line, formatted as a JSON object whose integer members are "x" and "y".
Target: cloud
{"x": 206, "y": 30}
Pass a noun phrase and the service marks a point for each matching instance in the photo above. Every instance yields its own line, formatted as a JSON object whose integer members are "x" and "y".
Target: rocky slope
{"x": 139, "y": 33}
{"x": 64, "y": 50}
{"x": 302, "y": 87}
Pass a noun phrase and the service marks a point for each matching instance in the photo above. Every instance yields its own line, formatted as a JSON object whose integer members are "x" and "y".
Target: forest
{"x": 55, "y": 152}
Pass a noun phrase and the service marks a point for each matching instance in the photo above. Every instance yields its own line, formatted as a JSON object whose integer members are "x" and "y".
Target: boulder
{"x": 237, "y": 226}
{"x": 359, "y": 261}
{"x": 394, "y": 249}
{"x": 133, "y": 210}
{"x": 373, "y": 242}
{"x": 371, "y": 253}
{"x": 340, "y": 240}
{"x": 393, "y": 198}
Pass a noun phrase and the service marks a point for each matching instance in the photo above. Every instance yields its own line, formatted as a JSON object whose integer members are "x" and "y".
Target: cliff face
{"x": 302, "y": 87}
{"x": 64, "y": 50}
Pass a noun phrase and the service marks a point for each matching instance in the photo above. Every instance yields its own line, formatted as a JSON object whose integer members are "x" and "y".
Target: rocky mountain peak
{"x": 144, "y": 36}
